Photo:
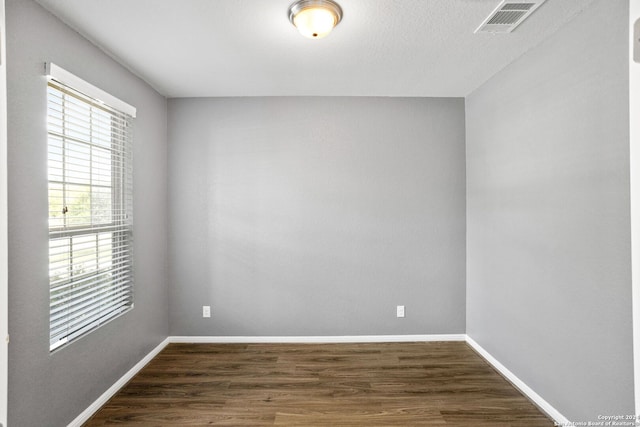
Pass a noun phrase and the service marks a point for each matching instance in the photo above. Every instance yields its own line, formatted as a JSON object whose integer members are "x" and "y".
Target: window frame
{"x": 101, "y": 294}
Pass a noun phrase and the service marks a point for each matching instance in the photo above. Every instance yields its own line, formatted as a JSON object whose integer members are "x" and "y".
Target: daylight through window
{"x": 90, "y": 213}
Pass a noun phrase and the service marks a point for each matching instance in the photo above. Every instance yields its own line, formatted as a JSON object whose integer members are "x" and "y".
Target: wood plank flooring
{"x": 403, "y": 384}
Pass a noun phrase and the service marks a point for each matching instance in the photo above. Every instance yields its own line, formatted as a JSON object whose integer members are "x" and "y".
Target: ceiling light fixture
{"x": 315, "y": 18}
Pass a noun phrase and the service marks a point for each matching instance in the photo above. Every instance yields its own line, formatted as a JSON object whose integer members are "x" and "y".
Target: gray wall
{"x": 548, "y": 243}
{"x": 316, "y": 216}
{"x": 52, "y": 389}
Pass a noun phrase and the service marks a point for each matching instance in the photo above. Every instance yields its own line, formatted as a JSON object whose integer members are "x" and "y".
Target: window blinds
{"x": 90, "y": 213}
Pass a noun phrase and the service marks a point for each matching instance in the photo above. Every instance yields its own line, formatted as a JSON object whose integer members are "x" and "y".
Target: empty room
{"x": 319, "y": 212}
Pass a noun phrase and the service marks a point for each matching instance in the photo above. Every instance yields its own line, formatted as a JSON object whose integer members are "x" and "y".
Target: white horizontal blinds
{"x": 90, "y": 213}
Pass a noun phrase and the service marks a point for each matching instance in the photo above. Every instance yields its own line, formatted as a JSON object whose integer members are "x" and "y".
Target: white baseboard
{"x": 316, "y": 339}
{"x": 93, "y": 408}
{"x": 525, "y": 389}
{"x": 520, "y": 385}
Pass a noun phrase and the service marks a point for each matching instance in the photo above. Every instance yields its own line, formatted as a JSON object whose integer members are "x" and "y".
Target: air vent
{"x": 508, "y": 15}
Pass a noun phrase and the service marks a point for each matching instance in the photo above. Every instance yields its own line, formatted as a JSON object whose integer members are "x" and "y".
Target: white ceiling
{"x": 194, "y": 48}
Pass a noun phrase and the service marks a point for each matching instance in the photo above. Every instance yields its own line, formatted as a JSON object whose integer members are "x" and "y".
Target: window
{"x": 90, "y": 213}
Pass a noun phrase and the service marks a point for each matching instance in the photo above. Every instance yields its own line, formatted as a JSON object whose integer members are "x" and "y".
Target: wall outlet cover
{"x": 400, "y": 311}
{"x": 206, "y": 311}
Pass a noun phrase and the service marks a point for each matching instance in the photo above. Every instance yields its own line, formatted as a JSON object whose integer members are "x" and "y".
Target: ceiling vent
{"x": 508, "y": 15}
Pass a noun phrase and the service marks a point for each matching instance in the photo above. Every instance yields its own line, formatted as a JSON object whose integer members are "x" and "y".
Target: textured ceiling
{"x": 193, "y": 48}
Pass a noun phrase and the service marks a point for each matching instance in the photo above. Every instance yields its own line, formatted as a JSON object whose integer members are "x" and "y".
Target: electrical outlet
{"x": 206, "y": 311}
{"x": 400, "y": 311}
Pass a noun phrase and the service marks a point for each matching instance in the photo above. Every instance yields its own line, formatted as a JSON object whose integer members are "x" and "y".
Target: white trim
{"x": 316, "y": 339}
{"x": 520, "y": 385}
{"x": 93, "y": 408}
{"x": 63, "y": 76}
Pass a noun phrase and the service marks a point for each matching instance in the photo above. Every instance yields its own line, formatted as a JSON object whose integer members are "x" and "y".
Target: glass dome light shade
{"x": 315, "y": 18}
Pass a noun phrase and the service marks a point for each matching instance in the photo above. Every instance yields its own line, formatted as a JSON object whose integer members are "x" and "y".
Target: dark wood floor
{"x": 404, "y": 384}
